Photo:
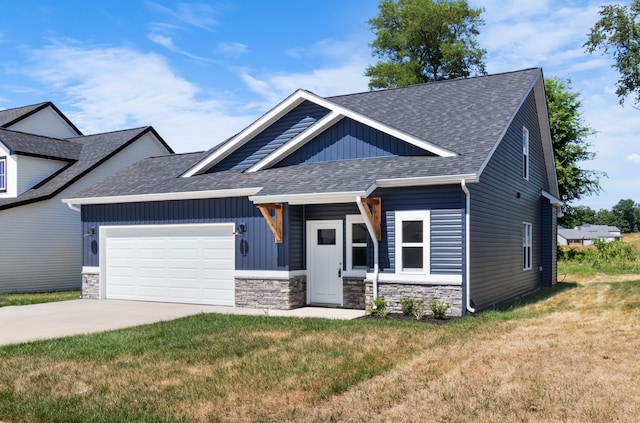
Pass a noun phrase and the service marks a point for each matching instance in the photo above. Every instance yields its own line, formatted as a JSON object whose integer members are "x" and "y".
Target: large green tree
{"x": 425, "y": 40}
{"x": 569, "y": 135}
{"x": 617, "y": 33}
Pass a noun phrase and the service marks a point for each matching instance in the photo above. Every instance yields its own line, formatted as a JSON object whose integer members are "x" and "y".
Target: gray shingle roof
{"x": 94, "y": 150}
{"x": 9, "y": 116}
{"x": 465, "y": 116}
{"x": 39, "y": 146}
{"x": 588, "y": 231}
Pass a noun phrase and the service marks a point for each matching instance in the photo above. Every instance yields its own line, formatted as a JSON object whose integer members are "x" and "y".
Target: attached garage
{"x": 190, "y": 263}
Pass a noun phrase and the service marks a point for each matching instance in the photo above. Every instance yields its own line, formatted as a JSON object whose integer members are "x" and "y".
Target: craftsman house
{"x": 44, "y": 158}
{"x": 443, "y": 190}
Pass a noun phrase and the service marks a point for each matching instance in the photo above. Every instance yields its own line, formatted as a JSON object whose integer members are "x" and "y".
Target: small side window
{"x": 525, "y": 153}
{"x": 356, "y": 243}
{"x": 3, "y": 174}
{"x": 526, "y": 246}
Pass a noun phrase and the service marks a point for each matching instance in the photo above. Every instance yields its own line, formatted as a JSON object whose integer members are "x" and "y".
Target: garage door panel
{"x": 170, "y": 264}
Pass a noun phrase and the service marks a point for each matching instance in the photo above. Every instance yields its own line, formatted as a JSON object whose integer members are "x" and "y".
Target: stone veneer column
{"x": 90, "y": 284}
{"x": 282, "y": 294}
{"x": 394, "y": 292}
{"x": 353, "y": 295}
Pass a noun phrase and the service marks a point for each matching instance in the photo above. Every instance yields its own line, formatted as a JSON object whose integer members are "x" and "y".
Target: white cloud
{"x": 198, "y": 15}
{"x": 232, "y": 49}
{"x": 634, "y": 158}
{"x": 114, "y": 88}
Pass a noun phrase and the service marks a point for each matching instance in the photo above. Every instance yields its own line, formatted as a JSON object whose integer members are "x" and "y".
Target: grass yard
{"x": 567, "y": 354}
{"x": 38, "y": 297}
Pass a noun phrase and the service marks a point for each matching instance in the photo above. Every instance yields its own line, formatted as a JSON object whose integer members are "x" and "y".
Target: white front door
{"x": 324, "y": 261}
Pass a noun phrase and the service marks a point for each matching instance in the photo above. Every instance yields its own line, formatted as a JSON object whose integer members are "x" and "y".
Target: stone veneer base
{"x": 281, "y": 294}
{"x": 393, "y": 292}
{"x": 353, "y": 293}
{"x": 91, "y": 286}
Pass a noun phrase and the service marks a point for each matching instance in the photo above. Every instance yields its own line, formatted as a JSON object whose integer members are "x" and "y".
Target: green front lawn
{"x": 36, "y": 298}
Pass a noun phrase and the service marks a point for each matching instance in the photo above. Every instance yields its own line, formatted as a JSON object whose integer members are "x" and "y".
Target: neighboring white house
{"x": 585, "y": 234}
{"x": 43, "y": 158}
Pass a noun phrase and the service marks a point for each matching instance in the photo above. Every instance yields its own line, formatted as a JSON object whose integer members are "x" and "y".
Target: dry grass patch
{"x": 571, "y": 356}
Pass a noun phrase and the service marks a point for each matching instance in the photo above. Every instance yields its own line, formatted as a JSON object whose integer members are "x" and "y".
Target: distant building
{"x": 585, "y": 234}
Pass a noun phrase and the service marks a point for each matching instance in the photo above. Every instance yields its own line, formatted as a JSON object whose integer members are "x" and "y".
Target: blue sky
{"x": 200, "y": 72}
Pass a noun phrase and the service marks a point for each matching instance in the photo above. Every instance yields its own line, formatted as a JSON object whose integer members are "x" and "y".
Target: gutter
{"x": 73, "y": 207}
{"x": 376, "y": 253}
{"x": 467, "y": 246}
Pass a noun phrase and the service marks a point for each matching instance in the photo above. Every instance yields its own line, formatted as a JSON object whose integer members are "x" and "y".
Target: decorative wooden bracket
{"x": 276, "y": 227}
{"x": 373, "y": 208}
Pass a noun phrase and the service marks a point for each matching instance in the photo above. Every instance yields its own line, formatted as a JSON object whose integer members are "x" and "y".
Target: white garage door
{"x": 169, "y": 263}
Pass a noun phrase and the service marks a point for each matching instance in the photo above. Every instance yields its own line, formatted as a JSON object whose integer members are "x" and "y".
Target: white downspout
{"x": 467, "y": 246}
{"x": 372, "y": 234}
{"x": 74, "y": 208}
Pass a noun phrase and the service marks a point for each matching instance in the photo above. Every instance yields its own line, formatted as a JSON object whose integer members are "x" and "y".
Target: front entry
{"x": 324, "y": 261}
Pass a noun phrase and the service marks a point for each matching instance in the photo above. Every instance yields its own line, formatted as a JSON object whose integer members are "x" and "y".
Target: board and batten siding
{"x": 263, "y": 252}
{"x": 42, "y": 241}
{"x": 273, "y": 137}
{"x": 446, "y": 204}
{"x": 500, "y": 203}
{"x": 347, "y": 140}
{"x": 45, "y": 122}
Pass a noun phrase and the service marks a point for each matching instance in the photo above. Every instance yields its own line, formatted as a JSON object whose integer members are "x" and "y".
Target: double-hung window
{"x": 3, "y": 174}
{"x": 526, "y": 246}
{"x": 412, "y": 242}
{"x": 525, "y": 153}
{"x": 356, "y": 243}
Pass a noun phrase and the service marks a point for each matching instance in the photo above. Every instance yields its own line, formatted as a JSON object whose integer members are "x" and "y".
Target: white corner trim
{"x": 269, "y": 274}
{"x": 298, "y": 141}
{"x": 309, "y": 198}
{"x": 94, "y": 270}
{"x": 185, "y": 195}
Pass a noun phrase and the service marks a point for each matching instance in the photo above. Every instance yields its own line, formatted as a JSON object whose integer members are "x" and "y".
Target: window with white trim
{"x": 412, "y": 241}
{"x": 525, "y": 153}
{"x": 527, "y": 255}
{"x": 356, "y": 243}
{"x": 3, "y": 174}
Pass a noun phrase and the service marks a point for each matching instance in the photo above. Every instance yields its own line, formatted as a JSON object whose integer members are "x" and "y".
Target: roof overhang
{"x": 166, "y": 196}
{"x": 553, "y": 200}
{"x": 309, "y": 198}
{"x": 337, "y": 112}
{"x": 422, "y": 181}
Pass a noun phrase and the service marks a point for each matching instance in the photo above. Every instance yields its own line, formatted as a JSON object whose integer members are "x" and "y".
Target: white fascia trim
{"x": 421, "y": 181}
{"x": 298, "y": 141}
{"x": 310, "y": 198}
{"x": 554, "y": 201}
{"x": 268, "y": 274}
{"x": 249, "y": 132}
{"x": 418, "y": 279}
{"x": 184, "y": 195}
{"x": 442, "y": 152}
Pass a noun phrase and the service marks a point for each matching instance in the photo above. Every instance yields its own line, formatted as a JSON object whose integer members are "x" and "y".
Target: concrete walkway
{"x": 28, "y": 323}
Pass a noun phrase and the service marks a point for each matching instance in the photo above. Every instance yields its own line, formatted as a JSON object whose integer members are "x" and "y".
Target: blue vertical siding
{"x": 277, "y": 134}
{"x": 349, "y": 139}
{"x": 263, "y": 254}
{"x": 500, "y": 203}
{"x": 445, "y": 202}
{"x": 296, "y": 237}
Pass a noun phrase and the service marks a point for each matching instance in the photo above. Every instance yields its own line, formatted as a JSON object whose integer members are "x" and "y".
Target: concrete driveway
{"x": 28, "y": 323}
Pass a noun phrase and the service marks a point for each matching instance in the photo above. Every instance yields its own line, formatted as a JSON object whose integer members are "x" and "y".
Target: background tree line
{"x": 420, "y": 41}
{"x": 625, "y": 215}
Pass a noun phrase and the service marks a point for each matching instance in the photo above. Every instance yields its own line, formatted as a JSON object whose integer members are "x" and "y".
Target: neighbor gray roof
{"x": 88, "y": 152}
{"x": 588, "y": 231}
{"x": 465, "y": 116}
